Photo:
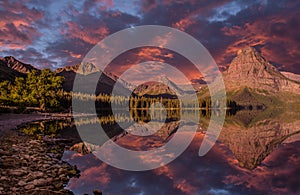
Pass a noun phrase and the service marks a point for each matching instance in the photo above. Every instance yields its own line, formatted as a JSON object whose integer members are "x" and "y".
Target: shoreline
{"x": 9, "y": 121}
{"x": 31, "y": 165}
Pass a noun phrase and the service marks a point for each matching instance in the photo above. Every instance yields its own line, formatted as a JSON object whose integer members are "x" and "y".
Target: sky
{"x": 53, "y": 34}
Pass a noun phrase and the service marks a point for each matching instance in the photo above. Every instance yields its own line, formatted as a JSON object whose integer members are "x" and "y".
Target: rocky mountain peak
{"x": 246, "y": 50}
{"x": 249, "y": 63}
{"x": 87, "y": 68}
{"x": 84, "y": 68}
{"x": 16, "y": 65}
{"x": 250, "y": 69}
{"x": 165, "y": 80}
{"x": 153, "y": 88}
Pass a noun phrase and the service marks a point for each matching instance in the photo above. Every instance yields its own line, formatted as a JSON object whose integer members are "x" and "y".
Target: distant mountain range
{"x": 248, "y": 77}
{"x": 89, "y": 72}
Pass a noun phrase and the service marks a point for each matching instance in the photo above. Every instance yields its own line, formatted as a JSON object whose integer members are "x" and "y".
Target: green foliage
{"x": 5, "y": 88}
{"x": 42, "y": 90}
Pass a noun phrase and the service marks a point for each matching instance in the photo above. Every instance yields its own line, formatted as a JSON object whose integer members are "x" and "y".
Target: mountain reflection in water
{"x": 257, "y": 153}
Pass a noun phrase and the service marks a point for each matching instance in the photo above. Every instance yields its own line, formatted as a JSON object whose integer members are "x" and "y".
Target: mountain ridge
{"x": 10, "y": 68}
{"x": 249, "y": 69}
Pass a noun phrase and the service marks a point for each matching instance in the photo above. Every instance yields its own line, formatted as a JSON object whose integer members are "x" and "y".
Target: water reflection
{"x": 258, "y": 152}
{"x": 253, "y": 141}
{"x": 216, "y": 173}
{"x": 49, "y": 127}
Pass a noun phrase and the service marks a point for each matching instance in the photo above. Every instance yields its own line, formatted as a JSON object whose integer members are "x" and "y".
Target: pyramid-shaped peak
{"x": 250, "y": 64}
{"x": 246, "y": 50}
{"x": 249, "y": 68}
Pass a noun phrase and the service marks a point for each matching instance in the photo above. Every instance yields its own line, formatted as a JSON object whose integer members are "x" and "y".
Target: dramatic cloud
{"x": 17, "y": 22}
{"x": 63, "y": 32}
{"x": 270, "y": 28}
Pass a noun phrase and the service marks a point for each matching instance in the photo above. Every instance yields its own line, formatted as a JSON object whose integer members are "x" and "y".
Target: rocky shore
{"x": 33, "y": 166}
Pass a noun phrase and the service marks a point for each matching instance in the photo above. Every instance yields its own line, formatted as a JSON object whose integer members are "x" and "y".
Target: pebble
{"x": 18, "y": 172}
{"x": 22, "y": 183}
{"x": 40, "y": 182}
{"x": 27, "y": 164}
{"x": 29, "y": 187}
{"x": 35, "y": 175}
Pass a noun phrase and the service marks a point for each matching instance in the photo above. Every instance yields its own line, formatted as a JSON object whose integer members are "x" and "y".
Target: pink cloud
{"x": 17, "y": 28}
{"x": 275, "y": 35}
{"x": 89, "y": 34}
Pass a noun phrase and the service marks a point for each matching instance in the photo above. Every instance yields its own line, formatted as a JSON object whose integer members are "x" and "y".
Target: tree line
{"x": 44, "y": 90}
{"x": 38, "y": 89}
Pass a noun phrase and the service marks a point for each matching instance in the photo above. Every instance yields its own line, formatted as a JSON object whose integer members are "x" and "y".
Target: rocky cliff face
{"x": 250, "y": 69}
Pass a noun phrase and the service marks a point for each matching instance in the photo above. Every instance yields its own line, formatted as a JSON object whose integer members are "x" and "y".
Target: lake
{"x": 257, "y": 152}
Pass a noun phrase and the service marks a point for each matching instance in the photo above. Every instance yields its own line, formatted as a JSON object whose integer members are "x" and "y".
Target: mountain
{"x": 292, "y": 76}
{"x": 85, "y": 69}
{"x": 164, "y": 87}
{"x": 250, "y": 69}
{"x": 165, "y": 80}
{"x": 178, "y": 89}
{"x": 10, "y": 68}
{"x": 253, "y": 81}
{"x": 69, "y": 73}
{"x": 249, "y": 80}
{"x": 153, "y": 88}
{"x": 107, "y": 81}
{"x": 89, "y": 72}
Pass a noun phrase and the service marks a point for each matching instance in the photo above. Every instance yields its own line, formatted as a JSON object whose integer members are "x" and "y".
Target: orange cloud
{"x": 187, "y": 21}
{"x": 88, "y": 34}
{"x": 155, "y": 54}
{"x": 274, "y": 35}
{"x": 72, "y": 54}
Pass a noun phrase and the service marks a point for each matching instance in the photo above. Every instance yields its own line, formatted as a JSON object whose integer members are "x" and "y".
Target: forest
{"x": 44, "y": 92}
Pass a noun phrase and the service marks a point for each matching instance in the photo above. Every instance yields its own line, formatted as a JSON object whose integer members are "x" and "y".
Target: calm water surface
{"x": 255, "y": 154}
